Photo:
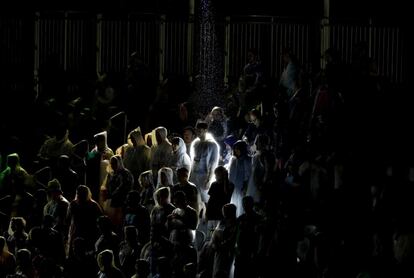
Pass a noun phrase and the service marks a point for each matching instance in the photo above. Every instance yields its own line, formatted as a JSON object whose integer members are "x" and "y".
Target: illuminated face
{"x": 182, "y": 177}
{"x": 252, "y": 118}
{"x": 174, "y": 147}
{"x": 216, "y": 115}
{"x": 188, "y": 136}
{"x": 201, "y": 132}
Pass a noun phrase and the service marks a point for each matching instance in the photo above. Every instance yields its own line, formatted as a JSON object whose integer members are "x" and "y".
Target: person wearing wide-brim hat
{"x": 57, "y": 205}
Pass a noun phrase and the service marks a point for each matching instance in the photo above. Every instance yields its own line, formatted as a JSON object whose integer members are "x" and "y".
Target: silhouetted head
{"x": 248, "y": 204}
{"x": 182, "y": 175}
{"x": 229, "y": 211}
{"x": 163, "y": 266}
{"x": 79, "y": 247}
{"x": 106, "y": 260}
{"x": 221, "y": 173}
{"x": 101, "y": 141}
{"x": 13, "y": 160}
{"x": 142, "y": 268}
{"x": 180, "y": 199}
{"x": 63, "y": 162}
{"x": 162, "y": 196}
{"x": 130, "y": 234}
{"x": 133, "y": 198}
{"x": 240, "y": 148}
{"x": 83, "y": 193}
{"x": 24, "y": 258}
{"x": 104, "y": 224}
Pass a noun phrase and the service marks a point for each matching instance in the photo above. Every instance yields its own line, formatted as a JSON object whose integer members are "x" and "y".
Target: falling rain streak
{"x": 211, "y": 62}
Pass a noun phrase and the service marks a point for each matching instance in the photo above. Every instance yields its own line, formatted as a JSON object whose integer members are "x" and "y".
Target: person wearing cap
{"x": 57, "y": 205}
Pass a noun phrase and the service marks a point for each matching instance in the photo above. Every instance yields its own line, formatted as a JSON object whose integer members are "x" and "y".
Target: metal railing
{"x": 385, "y": 45}
{"x": 269, "y": 35}
{"x": 81, "y": 42}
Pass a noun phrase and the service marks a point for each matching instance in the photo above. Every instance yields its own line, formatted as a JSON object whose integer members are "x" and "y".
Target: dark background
{"x": 386, "y": 10}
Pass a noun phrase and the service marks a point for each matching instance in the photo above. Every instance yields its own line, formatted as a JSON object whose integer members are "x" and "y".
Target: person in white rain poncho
{"x": 119, "y": 182}
{"x": 204, "y": 159}
{"x": 262, "y": 165}
{"x": 239, "y": 173}
{"x": 97, "y": 163}
{"x": 160, "y": 150}
{"x": 179, "y": 158}
{"x": 136, "y": 154}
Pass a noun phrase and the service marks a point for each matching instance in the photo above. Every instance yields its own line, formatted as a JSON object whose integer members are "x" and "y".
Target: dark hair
{"x": 180, "y": 196}
{"x": 190, "y": 128}
{"x": 202, "y": 125}
{"x": 253, "y": 50}
{"x": 24, "y": 257}
{"x": 133, "y": 197}
{"x": 83, "y": 193}
{"x": 220, "y": 169}
{"x": 142, "y": 267}
{"x": 242, "y": 146}
{"x": 130, "y": 231}
{"x": 229, "y": 211}
{"x": 247, "y": 202}
{"x": 104, "y": 223}
{"x": 175, "y": 140}
{"x": 182, "y": 170}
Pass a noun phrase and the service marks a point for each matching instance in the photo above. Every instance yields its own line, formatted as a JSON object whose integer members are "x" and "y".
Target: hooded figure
{"x": 204, "y": 159}
{"x": 260, "y": 183}
{"x": 101, "y": 146}
{"x": 240, "y": 168}
{"x": 136, "y": 154}
{"x": 97, "y": 162}
{"x": 146, "y": 182}
{"x": 119, "y": 182}
{"x": 161, "y": 149}
{"x": 14, "y": 173}
{"x": 179, "y": 157}
{"x": 165, "y": 177}
{"x": 217, "y": 124}
{"x": 54, "y": 147}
